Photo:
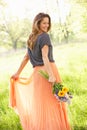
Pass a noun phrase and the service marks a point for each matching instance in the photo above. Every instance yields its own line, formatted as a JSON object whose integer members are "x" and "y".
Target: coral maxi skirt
{"x": 37, "y": 107}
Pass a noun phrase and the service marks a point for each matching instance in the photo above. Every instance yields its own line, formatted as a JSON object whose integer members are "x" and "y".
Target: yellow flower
{"x": 61, "y": 93}
{"x": 65, "y": 89}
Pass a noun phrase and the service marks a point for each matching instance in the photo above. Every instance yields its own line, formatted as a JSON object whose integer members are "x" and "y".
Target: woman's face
{"x": 44, "y": 24}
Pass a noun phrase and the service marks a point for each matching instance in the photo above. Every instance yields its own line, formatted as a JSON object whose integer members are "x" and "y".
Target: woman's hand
{"x": 52, "y": 79}
{"x": 15, "y": 76}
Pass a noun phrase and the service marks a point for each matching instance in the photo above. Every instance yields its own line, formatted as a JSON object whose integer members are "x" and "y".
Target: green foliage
{"x": 62, "y": 32}
{"x": 2, "y": 3}
{"x": 80, "y": 1}
{"x": 81, "y": 13}
{"x": 84, "y": 21}
{"x": 8, "y": 119}
{"x": 44, "y": 74}
{"x": 15, "y": 32}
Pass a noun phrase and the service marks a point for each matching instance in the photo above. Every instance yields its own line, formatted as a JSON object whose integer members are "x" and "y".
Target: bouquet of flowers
{"x": 59, "y": 90}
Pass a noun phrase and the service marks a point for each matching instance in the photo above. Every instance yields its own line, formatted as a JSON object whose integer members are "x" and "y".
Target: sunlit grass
{"x": 8, "y": 119}
{"x": 72, "y": 64}
{"x": 71, "y": 60}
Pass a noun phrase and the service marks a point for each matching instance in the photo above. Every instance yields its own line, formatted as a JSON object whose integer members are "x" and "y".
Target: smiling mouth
{"x": 45, "y": 28}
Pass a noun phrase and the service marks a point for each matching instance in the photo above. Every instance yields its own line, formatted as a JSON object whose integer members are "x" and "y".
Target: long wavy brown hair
{"x": 36, "y": 29}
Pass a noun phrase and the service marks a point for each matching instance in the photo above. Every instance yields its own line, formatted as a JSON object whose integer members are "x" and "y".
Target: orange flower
{"x": 65, "y": 89}
{"x": 61, "y": 93}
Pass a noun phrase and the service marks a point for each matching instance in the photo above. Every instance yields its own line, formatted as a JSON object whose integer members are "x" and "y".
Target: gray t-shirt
{"x": 36, "y": 54}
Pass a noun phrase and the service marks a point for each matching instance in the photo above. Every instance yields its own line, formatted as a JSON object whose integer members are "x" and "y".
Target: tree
{"x": 83, "y": 13}
{"x": 63, "y": 27}
{"x": 13, "y": 30}
{"x": 2, "y": 3}
{"x": 16, "y": 30}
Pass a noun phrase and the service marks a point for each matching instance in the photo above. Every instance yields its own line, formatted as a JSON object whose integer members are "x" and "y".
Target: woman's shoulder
{"x": 44, "y": 39}
{"x": 44, "y": 35}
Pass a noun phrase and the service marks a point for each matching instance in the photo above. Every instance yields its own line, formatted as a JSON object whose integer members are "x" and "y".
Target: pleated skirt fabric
{"x": 37, "y": 107}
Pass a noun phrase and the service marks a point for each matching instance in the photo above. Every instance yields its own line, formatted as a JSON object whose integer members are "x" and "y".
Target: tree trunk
{"x": 15, "y": 45}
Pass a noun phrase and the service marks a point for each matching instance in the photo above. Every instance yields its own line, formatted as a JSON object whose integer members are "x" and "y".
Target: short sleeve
{"x": 44, "y": 40}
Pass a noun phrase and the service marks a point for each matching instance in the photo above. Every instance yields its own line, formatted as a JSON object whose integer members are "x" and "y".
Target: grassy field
{"x": 71, "y": 60}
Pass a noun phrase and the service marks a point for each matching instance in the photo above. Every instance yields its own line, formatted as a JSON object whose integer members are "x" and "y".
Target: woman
{"x": 37, "y": 107}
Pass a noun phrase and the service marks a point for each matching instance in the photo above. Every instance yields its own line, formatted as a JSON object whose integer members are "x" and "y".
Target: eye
{"x": 46, "y": 23}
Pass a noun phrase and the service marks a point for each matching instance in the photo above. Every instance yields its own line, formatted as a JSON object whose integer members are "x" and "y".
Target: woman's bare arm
{"x": 47, "y": 64}
{"x": 23, "y": 63}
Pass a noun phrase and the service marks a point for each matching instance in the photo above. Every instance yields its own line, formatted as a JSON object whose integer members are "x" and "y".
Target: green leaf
{"x": 44, "y": 74}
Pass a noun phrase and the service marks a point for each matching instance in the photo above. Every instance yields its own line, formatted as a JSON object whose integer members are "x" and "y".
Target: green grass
{"x": 71, "y": 60}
